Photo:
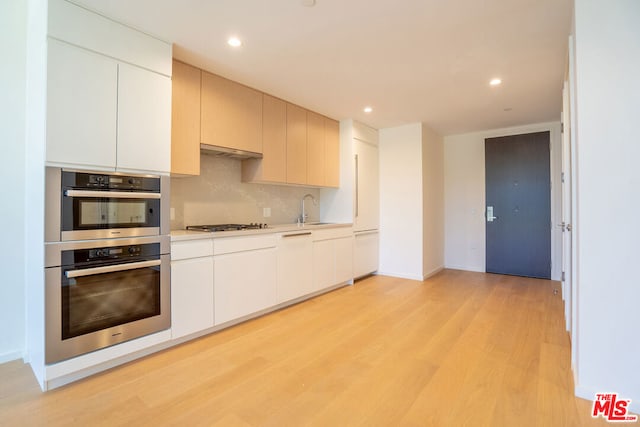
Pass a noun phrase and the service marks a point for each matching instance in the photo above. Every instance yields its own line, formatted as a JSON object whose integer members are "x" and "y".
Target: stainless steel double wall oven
{"x": 106, "y": 260}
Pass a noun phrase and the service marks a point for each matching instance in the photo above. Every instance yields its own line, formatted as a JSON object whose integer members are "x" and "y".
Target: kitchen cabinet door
{"x": 272, "y": 167}
{"x": 191, "y": 296}
{"x": 331, "y": 153}
{"x": 185, "y": 119}
{"x": 367, "y": 209}
{"x": 295, "y": 265}
{"x": 231, "y": 114}
{"x": 82, "y": 98}
{"x": 296, "y": 144}
{"x": 324, "y": 264}
{"x": 315, "y": 149}
{"x": 144, "y": 120}
{"x": 245, "y": 283}
{"x": 343, "y": 252}
{"x": 365, "y": 253}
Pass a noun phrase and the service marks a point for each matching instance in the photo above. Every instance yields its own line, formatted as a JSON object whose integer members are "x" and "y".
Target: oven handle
{"x": 110, "y": 268}
{"x": 111, "y": 194}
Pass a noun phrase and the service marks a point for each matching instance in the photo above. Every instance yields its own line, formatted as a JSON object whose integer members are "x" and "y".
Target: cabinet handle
{"x": 308, "y": 233}
{"x": 357, "y": 197}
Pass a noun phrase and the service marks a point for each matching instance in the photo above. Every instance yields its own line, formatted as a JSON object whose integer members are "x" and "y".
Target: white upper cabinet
{"x": 108, "y": 94}
{"x": 144, "y": 120}
{"x": 81, "y": 107}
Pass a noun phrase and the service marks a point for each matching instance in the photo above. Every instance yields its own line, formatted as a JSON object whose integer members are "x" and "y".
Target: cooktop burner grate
{"x": 226, "y": 227}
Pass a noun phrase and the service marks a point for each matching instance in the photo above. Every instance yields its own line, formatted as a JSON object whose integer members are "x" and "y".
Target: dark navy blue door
{"x": 518, "y": 205}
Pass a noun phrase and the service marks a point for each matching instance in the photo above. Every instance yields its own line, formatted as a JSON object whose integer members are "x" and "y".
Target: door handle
{"x": 564, "y": 226}
{"x": 357, "y": 195}
{"x": 490, "y": 216}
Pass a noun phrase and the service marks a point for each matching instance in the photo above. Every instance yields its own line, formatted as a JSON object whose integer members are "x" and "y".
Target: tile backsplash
{"x": 218, "y": 196}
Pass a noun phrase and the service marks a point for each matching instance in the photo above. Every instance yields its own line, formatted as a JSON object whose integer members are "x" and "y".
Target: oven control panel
{"x": 98, "y": 181}
{"x": 111, "y": 253}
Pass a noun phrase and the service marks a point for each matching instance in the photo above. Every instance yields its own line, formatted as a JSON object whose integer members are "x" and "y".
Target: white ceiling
{"x": 411, "y": 60}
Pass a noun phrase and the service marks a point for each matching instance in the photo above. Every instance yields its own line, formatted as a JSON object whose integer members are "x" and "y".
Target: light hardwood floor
{"x": 460, "y": 349}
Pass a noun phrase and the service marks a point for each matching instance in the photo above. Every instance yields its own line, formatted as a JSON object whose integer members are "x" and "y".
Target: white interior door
{"x": 567, "y": 291}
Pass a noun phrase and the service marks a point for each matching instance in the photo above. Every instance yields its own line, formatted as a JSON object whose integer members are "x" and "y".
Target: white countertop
{"x": 178, "y": 235}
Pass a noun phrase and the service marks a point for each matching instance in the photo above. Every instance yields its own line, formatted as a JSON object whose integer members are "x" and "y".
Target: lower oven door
{"x": 92, "y": 308}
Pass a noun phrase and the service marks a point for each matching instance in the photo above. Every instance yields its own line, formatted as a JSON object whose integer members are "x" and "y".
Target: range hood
{"x": 230, "y": 153}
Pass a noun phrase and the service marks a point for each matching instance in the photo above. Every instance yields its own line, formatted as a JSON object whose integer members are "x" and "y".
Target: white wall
{"x": 464, "y": 198}
{"x": 411, "y": 201}
{"x": 464, "y": 202}
{"x": 433, "y": 201}
{"x": 608, "y": 200}
{"x": 401, "y": 225}
{"x": 13, "y": 33}
{"x": 34, "y": 179}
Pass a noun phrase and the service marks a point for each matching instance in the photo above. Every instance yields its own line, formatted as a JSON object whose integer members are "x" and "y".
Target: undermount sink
{"x": 318, "y": 223}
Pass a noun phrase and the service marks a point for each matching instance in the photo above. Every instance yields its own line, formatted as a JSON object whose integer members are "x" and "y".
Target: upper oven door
{"x": 82, "y": 205}
{"x": 98, "y": 214}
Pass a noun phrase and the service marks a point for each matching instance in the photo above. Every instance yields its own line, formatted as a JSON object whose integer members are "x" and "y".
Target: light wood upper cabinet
{"x": 315, "y": 149}
{"x": 296, "y": 144}
{"x": 331, "y": 153}
{"x": 185, "y": 119}
{"x": 273, "y": 165}
{"x": 231, "y": 114}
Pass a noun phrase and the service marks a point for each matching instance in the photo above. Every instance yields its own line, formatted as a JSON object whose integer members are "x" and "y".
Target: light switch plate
{"x": 266, "y": 212}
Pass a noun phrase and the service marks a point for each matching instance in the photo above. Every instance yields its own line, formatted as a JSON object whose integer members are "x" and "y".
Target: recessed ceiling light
{"x": 308, "y": 3}
{"x": 234, "y": 41}
{"x": 495, "y": 82}
{"x": 368, "y": 109}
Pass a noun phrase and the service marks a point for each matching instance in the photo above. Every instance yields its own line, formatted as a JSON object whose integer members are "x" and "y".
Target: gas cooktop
{"x": 226, "y": 227}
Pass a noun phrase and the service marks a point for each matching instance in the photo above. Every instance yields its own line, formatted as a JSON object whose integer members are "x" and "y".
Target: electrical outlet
{"x": 266, "y": 212}
{"x": 172, "y": 214}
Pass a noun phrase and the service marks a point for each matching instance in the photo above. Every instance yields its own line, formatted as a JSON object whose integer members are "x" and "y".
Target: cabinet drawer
{"x": 332, "y": 233}
{"x": 191, "y": 249}
{"x": 239, "y": 244}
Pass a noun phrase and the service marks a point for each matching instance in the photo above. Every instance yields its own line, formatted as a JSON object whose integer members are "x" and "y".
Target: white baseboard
{"x": 401, "y": 275}
{"x": 464, "y": 268}
{"x": 433, "y": 272}
{"x": 10, "y": 356}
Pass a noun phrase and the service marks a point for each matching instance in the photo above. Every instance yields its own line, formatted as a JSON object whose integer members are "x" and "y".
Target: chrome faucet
{"x": 303, "y": 216}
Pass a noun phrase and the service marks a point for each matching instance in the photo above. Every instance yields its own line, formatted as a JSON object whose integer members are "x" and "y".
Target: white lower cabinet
{"x": 343, "y": 249}
{"x": 324, "y": 264}
{"x": 332, "y": 261}
{"x": 295, "y": 265}
{"x": 191, "y": 287}
{"x": 365, "y": 253}
{"x": 219, "y": 280}
{"x": 245, "y": 283}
